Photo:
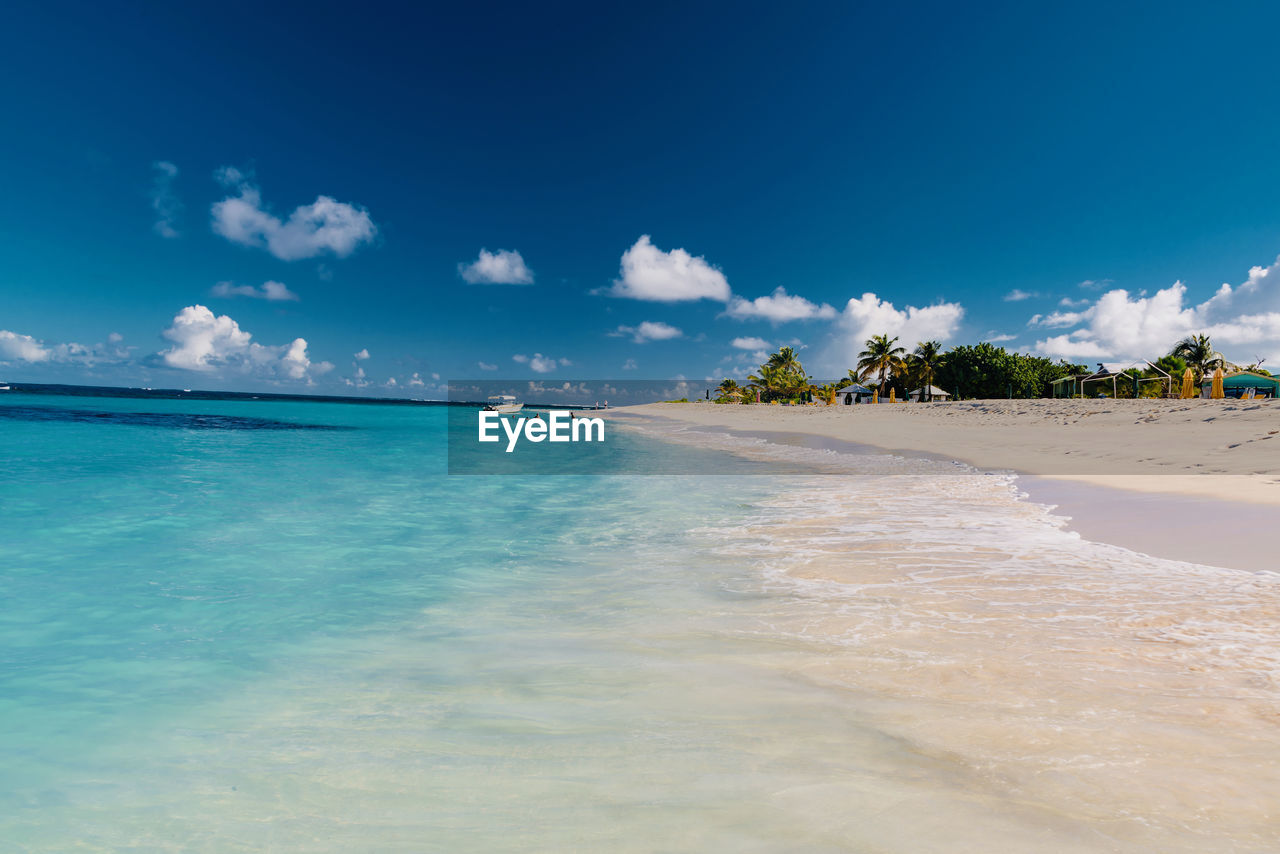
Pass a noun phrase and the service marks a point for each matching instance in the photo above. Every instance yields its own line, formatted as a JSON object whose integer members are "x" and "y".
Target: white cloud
{"x": 1056, "y": 319}
{"x": 648, "y": 330}
{"x": 362, "y": 355}
{"x": 485, "y": 366}
{"x": 1068, "y": 302}
{"x": 271, "y": 291}
{"x": 1018, "y": 295}
{"x": 416, "y": 380}
{"x": 1244, "y": 319}
{"x": 996, "y": 338}
{"x": 1066, "y": 347}
{"x": 750, "y": 343}
{"x": 163, "y": 200}
{"x": 778, "y": 307}
{"x": 325, "y": 225}
{"x": 538, "y": 362}
{"x": 648, "y": 273}
{"x": 497, "y": 268}
{"x": 22, "y": 348}
{"x": 206, "y": 342}
{"x": 629, "y": 365}
{"x": 16, "y": 347}
{"x": 869, "y": 315}
{"x": 294, "y": 361}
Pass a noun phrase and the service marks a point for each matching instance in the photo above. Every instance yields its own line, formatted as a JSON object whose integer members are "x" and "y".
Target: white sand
{"x": 1210, "y": 448}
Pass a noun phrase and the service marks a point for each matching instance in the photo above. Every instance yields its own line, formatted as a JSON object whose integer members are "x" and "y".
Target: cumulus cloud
{"x": 1018, "y": 295}
{"x": 869, "y": 315}
{"x": 1056, "y": 319}
{"x": 22, "y": 348}
{"x": 17, "y": 347}
{"x": 750, "y": 343}
{"x": 270, "y": 291}
{"x": 485, "y": 366}
{"x": 1121, "y": 325}
{"x": 325, "y": 225}
{"x": 362, "y": 355}
{"x": 416, "y": 380}
{"x": 163, "y": 200}
{"x": 1071, "y": 347}
{"x": 649, "y": 330}
{"x": 504, "y": 267}
{"x": 629, "y": 365}
{"x": 648, "y": 273}
{"x": 778, "y": 307}
{"x": 538, "y": 362}
{"x": 208, "y": 342}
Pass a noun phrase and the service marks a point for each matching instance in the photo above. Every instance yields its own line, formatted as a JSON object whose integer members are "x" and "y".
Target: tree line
{"x": 973, "y": 371}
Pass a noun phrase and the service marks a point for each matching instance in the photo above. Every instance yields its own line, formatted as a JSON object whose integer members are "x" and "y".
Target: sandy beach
{"x": 1228, "y": 450}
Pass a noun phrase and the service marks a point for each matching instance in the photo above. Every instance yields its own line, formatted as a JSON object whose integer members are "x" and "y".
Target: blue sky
{"x": 1076, "y": 181}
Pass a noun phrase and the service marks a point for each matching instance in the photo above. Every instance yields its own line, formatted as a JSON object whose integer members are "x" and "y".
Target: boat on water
{"x": 4, "y": 388}
{"x": 504, "y": 404}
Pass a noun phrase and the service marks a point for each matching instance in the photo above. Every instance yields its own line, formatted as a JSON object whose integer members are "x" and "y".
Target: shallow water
{"x": 221, "y": 639}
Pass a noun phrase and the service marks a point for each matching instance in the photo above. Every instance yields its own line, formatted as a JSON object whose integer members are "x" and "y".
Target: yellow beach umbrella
{"x": 1215, "y": 392}
{"x": 875, "y": 395}
{"x": 1188, "y": 384}
{"x": 893, "y": 395}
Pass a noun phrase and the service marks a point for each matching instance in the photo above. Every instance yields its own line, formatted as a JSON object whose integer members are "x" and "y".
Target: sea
{"x": 276, "y": 624}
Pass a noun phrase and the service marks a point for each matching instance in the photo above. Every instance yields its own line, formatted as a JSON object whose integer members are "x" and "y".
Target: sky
{"x": 377, "y": 199}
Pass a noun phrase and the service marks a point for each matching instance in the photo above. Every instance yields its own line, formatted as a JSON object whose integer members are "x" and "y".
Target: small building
{"x": 853, "y": 393}
{"x": 1240, "y": 383}
{"x": 927, "y": 394}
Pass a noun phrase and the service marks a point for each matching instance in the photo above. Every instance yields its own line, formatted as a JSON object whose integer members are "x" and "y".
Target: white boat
{"x": 4, "y": 388}
{"x": 503, "y": 403}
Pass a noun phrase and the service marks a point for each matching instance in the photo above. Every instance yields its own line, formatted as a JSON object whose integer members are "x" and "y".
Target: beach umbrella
{"x": 893, "y": 395}
{"x": 1215, "y": 393}
{"x": 875, "y": 396}
{"x": 1188, "y": 384}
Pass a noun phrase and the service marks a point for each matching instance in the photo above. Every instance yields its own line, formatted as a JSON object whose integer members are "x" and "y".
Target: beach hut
{"x": 852, "y": 393}
{"x": 932, "y": 392}
{"x": 1241, "y": 383}
{"x": 1096, "y": 384}
{"x": 1068, "y": 386}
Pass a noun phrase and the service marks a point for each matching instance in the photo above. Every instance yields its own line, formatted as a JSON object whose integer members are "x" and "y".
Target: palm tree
{"x": 785, "y": 359}
{"x": 1199, "y": 355}
{"x": 924, "y": 364}
{"x": 881, "y": 358}
{"x": 826, "y": 391}
{"x": 781, "y": 375}
{"x": 730, "y": 390}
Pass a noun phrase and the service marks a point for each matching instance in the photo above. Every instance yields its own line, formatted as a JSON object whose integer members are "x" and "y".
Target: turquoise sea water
{"x": 282, "y": 626}
{"x": 296, "y": 630}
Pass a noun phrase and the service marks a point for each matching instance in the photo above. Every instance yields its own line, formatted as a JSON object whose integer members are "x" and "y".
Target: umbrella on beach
{"x": 1215, "y": 393}
{"x": 1188, "y": 384}
{"x": 893, "y": 395}
{"x": 875, "y": 396}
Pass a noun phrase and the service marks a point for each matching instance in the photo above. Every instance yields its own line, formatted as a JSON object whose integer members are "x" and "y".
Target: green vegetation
{"x": 1198, "y": 353}
{"x": 967, "y": 371}
{"x": 880, "y": 359}
{"x": 986, "y": 371}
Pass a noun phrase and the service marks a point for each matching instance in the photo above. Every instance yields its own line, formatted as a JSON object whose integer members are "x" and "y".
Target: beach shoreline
{"x": 1162, "y": 507}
